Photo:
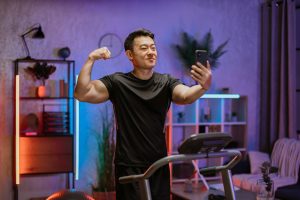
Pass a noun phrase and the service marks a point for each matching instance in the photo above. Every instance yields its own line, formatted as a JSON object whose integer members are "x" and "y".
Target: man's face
{"x": 144, "y": 52}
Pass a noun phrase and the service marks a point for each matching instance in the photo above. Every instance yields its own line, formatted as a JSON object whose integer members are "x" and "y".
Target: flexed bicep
{"x": 97, "y": 93}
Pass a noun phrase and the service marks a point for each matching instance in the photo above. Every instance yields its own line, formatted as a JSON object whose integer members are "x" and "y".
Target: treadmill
{"x": 197, "y": 146}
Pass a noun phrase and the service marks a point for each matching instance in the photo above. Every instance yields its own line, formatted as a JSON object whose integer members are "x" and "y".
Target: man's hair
{"x": 128, "y": 44}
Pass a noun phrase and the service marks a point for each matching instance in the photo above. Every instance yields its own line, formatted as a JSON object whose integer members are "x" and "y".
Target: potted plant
{"x": 186, "y": 50}
{"x": 105, "y": 187}
{"x": 41, "y": 71}
{"x": 265, "y": 186}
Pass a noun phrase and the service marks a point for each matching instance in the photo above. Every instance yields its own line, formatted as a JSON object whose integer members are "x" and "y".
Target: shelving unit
{"x": 51, "y": 147}
{"x": 211, "y": 113}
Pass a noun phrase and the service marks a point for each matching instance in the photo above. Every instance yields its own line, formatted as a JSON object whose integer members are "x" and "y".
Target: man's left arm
{"x": 185, "y": 95}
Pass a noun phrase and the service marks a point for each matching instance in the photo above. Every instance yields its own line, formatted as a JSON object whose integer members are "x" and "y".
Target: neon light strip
{"x": 220, "y": 96}
{"x": 17, "y": 127}
{"x": 77, "y": 137}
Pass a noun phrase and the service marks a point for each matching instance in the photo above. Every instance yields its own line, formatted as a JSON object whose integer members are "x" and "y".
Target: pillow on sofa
{"x": 256, "y": 159}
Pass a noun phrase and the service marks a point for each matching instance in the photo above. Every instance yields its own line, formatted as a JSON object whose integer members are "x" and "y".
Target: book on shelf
{"x": 55, "y": 122}
{"x": 50, "y": 131}
{"x": 53, "y": 88}
{"x": 58, "y": 88}
{"x": 214, "y": 128}
{"x": 63, "y": 88}
{"x": 55, "y": 114}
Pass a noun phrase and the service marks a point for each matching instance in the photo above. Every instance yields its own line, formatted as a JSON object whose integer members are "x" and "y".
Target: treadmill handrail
{"x": 184, "y": 157}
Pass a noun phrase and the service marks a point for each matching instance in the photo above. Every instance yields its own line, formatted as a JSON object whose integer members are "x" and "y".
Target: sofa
{"x": 289, "y": 192}
{"x": 286, "y": 156}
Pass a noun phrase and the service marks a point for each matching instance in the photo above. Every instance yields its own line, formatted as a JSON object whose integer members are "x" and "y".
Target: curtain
{"x": 278, "y": 73}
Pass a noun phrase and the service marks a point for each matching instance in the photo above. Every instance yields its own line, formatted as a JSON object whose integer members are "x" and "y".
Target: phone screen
{"x": 202, "y": 57}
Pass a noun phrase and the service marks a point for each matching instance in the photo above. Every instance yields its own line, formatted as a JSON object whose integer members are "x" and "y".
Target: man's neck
{"x": 143, "y": 74}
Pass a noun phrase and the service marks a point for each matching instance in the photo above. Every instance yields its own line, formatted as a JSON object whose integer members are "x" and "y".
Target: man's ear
{"x": 129, "y": 54}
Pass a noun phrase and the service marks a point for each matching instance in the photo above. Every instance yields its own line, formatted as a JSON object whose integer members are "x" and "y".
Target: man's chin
{"x": 149, "y": 65}
{"x": 152, "y": 64}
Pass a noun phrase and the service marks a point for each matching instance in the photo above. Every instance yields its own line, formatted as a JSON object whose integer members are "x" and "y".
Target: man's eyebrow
{"x": 147, "y": 45}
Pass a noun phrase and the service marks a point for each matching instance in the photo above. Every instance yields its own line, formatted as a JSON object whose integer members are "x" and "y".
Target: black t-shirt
{"x": 140, "y": 108}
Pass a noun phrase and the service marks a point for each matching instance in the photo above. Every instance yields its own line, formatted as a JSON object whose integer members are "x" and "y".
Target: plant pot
{"x": 104, "y": 195}
{"x": 43, "y": 91}
{"x": 264, "y": 191}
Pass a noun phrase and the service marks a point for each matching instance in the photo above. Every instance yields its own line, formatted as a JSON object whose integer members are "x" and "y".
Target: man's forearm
{"x": 193, "y": 93}
{"x": 84, "y": 78}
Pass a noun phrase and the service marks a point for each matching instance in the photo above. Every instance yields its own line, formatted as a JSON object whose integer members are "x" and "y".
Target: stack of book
{"x": 58, "y": 88}
{"x": 56, "y": 123}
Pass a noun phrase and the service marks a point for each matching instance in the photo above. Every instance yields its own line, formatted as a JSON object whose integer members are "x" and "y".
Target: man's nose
{"x": 151, "y": 52}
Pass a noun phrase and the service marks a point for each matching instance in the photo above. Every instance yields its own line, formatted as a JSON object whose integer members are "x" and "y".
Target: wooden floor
{"x": 199, "y": 193}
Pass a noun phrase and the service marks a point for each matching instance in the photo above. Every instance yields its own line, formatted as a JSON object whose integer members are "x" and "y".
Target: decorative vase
{"x": 43, "y": 91}
{"x": 180, "y": 117}
{"x": 264, "y": 191}
{"x": 104, "y": 195}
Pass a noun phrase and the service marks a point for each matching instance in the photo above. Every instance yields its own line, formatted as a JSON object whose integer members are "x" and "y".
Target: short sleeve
{"x": 108, "y": 82}
{"x": 173, "y": 82}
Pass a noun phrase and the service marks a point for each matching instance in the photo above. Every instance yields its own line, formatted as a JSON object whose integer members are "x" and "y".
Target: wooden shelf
{"x": 44, "y": 60}
{"x": 46, "y": 135}
{"x": 192, "y": 116}
{"x": 44, "y": 154}
{"x": 208, "y": 123}
{"x": 235, "y": 123}
{"x": 45, "y": 98}
{"x": 183, "y": 124}
{"x": 40, "y": 155}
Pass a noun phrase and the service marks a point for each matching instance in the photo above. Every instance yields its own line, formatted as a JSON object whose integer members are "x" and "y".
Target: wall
{"x": 79, "y": 25}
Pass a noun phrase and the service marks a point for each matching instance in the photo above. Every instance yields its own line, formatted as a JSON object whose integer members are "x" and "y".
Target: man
{"x": 141, "y": 99}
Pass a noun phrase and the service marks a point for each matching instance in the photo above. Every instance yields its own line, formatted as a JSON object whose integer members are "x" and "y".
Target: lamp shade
{"x": 37, "y": 33}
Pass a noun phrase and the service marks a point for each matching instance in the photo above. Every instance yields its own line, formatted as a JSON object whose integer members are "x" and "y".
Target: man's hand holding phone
{"x": 201, "y": 71}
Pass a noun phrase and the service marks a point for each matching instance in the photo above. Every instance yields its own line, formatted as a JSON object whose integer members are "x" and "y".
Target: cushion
{"x": 241, "y": 168}
{"x": 256, "y": 159}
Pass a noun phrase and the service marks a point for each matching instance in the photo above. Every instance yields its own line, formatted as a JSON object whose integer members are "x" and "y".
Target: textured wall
{"x": 79, "y": 24}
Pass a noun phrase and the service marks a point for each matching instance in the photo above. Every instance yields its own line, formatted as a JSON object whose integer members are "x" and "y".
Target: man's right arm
{"x": 92, "y": 91}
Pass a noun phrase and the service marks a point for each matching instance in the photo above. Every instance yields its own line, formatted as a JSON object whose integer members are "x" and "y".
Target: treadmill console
{"x": 204, "y": 143}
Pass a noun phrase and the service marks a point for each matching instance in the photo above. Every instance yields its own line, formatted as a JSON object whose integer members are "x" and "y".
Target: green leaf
{"x": 186, "y": 50}
{"x": 106, "y": 148}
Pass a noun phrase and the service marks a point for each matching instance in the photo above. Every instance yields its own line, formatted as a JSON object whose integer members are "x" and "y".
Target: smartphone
{"x": 202, "y": 57}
